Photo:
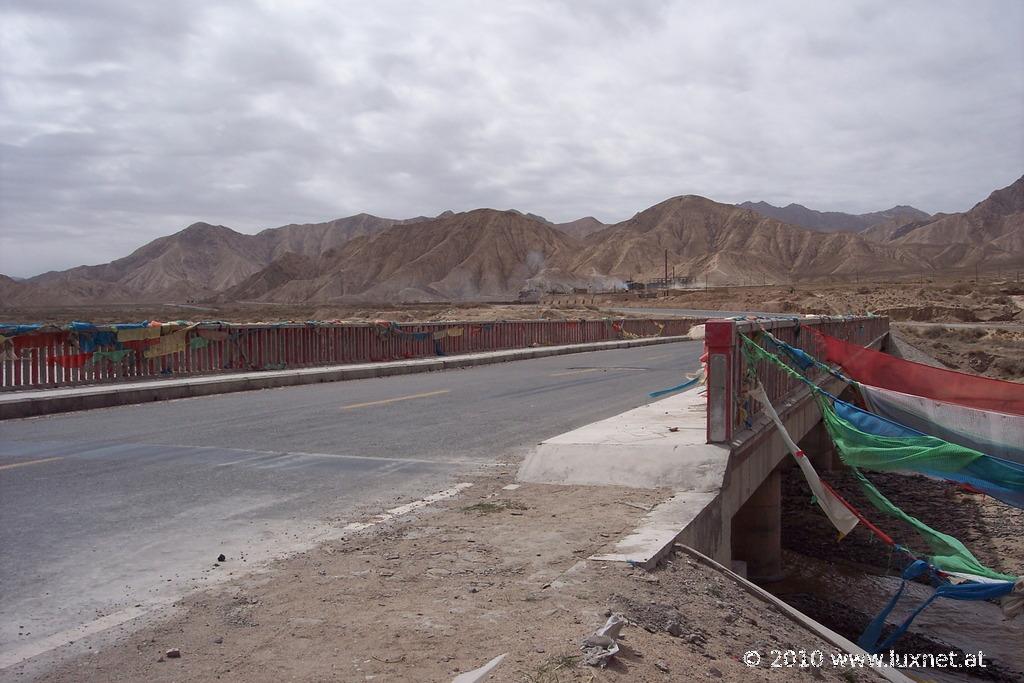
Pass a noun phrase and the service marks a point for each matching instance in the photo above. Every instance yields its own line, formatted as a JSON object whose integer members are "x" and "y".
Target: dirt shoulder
{"x": 247, "y": 313}
{"x": 444, "y": 591}
{"x": 991, "y": 350}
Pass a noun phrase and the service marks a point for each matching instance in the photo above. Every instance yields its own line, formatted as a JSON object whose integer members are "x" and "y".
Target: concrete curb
{"x": 22, "y": 404}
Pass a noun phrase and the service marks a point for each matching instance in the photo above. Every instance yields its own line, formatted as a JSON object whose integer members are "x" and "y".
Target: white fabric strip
{"x": 997, "y": 434}
{"x": 838, "y": 514}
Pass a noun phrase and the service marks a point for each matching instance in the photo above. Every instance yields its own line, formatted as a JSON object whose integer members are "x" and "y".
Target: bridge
{"x": 720, "y": 454}
{"x": 137, "y": 497}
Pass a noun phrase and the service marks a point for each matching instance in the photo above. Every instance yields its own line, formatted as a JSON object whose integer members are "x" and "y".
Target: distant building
{"x": 674, "y": 282}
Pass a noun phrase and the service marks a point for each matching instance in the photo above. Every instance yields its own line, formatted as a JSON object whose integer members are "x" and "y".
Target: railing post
{"x": 720, "y": 345}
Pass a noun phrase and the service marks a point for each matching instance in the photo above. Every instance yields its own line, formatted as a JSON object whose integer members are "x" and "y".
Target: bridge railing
{"x": 729, "y": 406}
{"x": 82, "y": 354}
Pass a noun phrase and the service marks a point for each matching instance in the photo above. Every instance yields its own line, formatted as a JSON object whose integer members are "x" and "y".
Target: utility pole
{"x": 666, "y": 272}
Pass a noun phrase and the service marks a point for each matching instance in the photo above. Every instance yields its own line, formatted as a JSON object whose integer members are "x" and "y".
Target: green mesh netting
{"x": 949, "y": 553}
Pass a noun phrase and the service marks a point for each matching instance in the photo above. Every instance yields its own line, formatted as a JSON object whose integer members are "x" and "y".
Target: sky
{"x": 121, "y": 121}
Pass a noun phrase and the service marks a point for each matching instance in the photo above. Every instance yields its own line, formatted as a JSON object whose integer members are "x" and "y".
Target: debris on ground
{"x": 601, "y": 645}
{"x": 481, "y": 674}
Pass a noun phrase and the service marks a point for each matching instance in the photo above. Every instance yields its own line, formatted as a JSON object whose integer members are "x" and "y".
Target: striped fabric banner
{"x": 987, "y": 431}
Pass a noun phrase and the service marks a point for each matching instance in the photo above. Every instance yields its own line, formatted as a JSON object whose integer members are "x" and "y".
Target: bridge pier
{"x": 756, "y": 536}
{"x": 819, "y": 447}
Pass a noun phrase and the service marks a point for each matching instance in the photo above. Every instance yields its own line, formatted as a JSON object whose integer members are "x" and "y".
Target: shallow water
{"x": 969, "y": 626}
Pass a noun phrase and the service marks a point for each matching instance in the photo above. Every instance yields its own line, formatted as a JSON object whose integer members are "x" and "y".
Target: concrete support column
{"x": 757, "y": 531}
{"x": 818, "y": 446}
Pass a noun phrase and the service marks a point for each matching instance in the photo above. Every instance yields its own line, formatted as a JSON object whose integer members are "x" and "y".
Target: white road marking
{"x": 38, "y": 647}
{"x": 30, "y": 462}
{"x": 407, "y": 508}
{"x": 388, "y": 401}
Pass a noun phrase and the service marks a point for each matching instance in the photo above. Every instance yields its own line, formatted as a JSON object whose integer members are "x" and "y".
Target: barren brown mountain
{"x": 195, "y": 263}
{"x": 313, "y": 239}
{"x": 582, "y": 228}
{"x": 730, "y": 244}
{"x": 834, "y": 221}
{"x": 474, "y": 255}
{"x": 989, "y": 235}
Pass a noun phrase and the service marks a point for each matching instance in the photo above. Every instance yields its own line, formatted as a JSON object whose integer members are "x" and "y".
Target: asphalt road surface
{"x": 691, "y": 312}
{"x": 110, "y": 513}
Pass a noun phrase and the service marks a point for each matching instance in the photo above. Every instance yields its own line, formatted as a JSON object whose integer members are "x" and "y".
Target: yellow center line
{"x": 395, "y": 400}
{"x": 30, "y": 462}
{"x": 574, "y": 372}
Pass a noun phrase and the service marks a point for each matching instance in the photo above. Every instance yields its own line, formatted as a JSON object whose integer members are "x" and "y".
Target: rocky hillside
{"x": 834, "y": 221}
{"x": 730, "y": 244}
{"x": 196, "y": 263}
{"x": 581, "y": 228}
{"x": 989, "y": 235}
{"x": 479, "y": 254}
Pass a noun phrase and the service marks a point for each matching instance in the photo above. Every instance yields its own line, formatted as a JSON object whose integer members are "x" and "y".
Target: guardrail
{"x": 40, "y": 357}
{"x": 728, "y": 406}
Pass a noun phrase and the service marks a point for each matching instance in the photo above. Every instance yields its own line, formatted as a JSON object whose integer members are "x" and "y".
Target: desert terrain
{"x": 967, "y": 325}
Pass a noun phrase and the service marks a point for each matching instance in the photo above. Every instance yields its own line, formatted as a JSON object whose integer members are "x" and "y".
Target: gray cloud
{"x": 122, "y": 121}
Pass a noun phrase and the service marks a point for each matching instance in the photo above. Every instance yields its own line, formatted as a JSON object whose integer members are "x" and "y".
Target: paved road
{"x": 692, "y": 312}
{"x": 1002, "y": 325}
{"x": 109, "y": 511}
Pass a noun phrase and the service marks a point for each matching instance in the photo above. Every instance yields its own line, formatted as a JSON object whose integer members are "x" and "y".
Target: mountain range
{"x": 834, "y": 221}
{"x": 492, "y": 254}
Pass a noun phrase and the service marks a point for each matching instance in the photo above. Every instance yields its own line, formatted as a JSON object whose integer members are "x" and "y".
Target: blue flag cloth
{"x": 964, "y": 591}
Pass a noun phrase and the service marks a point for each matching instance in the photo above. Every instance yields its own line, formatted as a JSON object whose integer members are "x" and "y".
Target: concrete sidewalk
{"x": 20, "y": 404}
{"x": 658, "y": 445}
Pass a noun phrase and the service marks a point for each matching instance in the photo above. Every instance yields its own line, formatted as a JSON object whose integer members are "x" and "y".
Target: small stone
{"x": 674, "y": 629}
{"x": 714, "y": 673}
{"x": 173, "y": 653}
{"x": 221, "y": 558}
{"x": 474, "y": 590}
{"x": 218, "y": 640}
{"x": 661, "y": 666}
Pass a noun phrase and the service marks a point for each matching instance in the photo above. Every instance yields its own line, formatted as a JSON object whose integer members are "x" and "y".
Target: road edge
{"x": 47, "y": 402}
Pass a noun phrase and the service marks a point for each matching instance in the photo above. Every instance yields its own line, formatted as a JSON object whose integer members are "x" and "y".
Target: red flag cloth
{"x": 76, "y": 360}
{"x": 37, "y": 340}
{"x": 889, "y": 372}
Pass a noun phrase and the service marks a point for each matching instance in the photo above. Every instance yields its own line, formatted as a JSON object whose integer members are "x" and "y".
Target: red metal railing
{"x": 728, "y": 407}
{"x": 56, "y": 357}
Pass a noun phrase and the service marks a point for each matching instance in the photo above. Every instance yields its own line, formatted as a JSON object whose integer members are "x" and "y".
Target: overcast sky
{"x": 121, "y": 121}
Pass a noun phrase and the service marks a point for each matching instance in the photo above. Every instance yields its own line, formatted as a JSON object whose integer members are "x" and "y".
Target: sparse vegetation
{"x": 489, "y": 507}
{"x": 552, "y": 669}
